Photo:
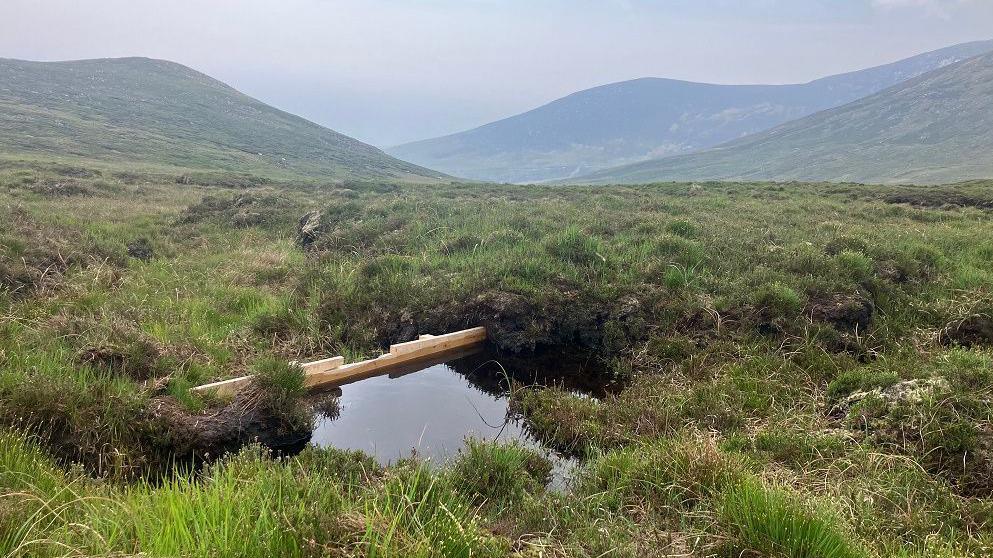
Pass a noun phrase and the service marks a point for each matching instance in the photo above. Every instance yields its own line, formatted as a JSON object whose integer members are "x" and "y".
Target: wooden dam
{"x": 333, "y": 372}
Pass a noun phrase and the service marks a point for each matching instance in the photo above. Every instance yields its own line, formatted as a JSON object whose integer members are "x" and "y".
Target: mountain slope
{"x": 647, "y": 118}
{"x": 935, "y": 128}
{"x": 159, "y": 113}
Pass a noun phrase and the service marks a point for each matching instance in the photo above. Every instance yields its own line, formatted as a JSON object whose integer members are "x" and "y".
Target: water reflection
{"x": 429, "y": 408}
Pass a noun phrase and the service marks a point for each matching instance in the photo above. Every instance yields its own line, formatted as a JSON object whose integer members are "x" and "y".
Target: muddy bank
{"x": 972, "y": 331}
{"x": 517, "y": 325}
{"x": 249, "y": 418}
{"x": 496, "y": 372}
{"x": 132, "y": 434}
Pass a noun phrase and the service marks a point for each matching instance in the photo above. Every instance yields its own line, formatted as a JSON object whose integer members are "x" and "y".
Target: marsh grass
{"x": 730, "y": 309}
{"x": 771, "y": 521}
{"x": 499, "y": 475}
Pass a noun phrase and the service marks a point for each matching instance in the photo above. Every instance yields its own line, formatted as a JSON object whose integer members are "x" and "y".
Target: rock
{"x": 308, "y": 229}
{"x": 141, "y": 249}
{"x": 905, "y": 392}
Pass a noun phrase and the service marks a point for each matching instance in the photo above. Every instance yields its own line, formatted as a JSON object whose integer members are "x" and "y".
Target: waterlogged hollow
{"x": 429, "y": 409}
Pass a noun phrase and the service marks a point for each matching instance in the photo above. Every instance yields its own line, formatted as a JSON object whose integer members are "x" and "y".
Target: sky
{"x": 392, "y": 71}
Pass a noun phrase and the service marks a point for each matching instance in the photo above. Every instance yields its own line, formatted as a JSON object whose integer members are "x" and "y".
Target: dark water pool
{"x": 428, "y": 409}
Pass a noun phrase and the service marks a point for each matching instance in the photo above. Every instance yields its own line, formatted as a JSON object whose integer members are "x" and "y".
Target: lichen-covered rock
{"x": 908, "y": 392}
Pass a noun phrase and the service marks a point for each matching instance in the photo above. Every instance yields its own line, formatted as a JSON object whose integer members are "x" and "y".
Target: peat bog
{"x": 779, "y": 369}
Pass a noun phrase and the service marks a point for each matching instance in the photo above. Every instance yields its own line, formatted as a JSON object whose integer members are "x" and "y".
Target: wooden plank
{"x": 410, "y": 351}
{"x": 413, "y": 366}
{"x": 225, "y": 388}
{"x": 467, "y": 336}
{"x": 323, "y": 365}
{"x": 333, "y": 372}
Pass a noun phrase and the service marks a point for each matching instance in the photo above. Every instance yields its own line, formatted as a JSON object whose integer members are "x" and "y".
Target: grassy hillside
{"x": 932, "y": 129}
{"x": 641, "y": 119}
{"x": 807, "y": 369}
{"x": 159, "y": 114}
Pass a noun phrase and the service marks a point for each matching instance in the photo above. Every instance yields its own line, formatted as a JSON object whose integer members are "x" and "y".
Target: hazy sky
{"x": 388, "y": 71}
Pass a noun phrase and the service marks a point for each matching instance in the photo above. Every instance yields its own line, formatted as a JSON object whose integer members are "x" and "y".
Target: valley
{"x": 747, "y": 316}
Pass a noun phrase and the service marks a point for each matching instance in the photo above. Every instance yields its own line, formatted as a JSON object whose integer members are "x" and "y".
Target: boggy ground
{"x": 807, "y": 369}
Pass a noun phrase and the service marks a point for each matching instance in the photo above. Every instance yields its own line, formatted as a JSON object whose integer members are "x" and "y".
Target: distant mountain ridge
{"x": 648, "y": 118}
{"x": 935, "y": 128}
{"x": 163, "y": 114}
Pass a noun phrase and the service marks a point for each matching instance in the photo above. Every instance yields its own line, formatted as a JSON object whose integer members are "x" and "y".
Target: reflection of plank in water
{"x": 332, "y": 372}
{"x": 410, "y": 367}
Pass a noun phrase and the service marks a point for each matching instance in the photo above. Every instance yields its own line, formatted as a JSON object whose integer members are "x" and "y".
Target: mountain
{"x": 647, "y": 118}
{"x": 162, "y": 114}
{"x": 932, "y": 129}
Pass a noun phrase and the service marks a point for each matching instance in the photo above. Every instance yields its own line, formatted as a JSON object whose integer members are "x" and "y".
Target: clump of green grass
{"x": 499, "y": 474}
{"x": 682, "y": 228}
{"x": 856, "y": 265}
{"x": 777, "y": 300}
{"x": 414, "y": 514}
{"x": 576, "y": 247}
{"x": 677, "y": 472}
{"x": 772, "y": 521}
{"x": 860, "y": 379}
{"x": 281, "y": 385}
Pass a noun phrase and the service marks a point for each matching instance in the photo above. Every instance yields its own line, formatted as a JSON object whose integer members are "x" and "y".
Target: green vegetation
{"x": 186, "y": 123}
{"x": 888, "y": 137}
{"x": 643, "y": 119}
{"x": 803, "y": 369}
